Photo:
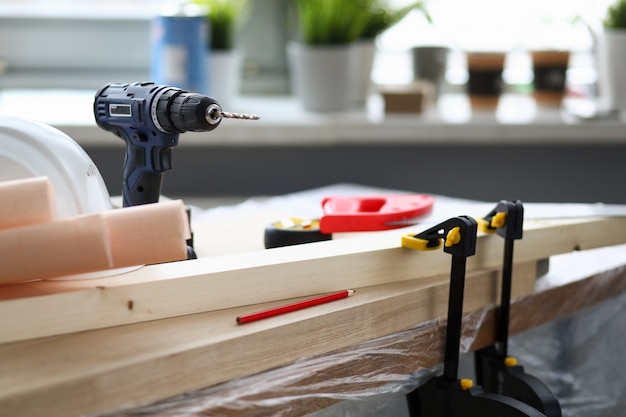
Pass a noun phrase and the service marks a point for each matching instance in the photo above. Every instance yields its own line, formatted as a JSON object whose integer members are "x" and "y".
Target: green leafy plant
{"x": 382, "y": 16}
{"x": 330, "y": 22}
{"x": 225, "y": 18}
{"x": 616, "y": 15}
{"x": 343, "y": 21}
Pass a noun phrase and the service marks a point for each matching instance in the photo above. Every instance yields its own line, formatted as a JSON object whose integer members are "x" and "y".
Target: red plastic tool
{"x": 371, "y": 213}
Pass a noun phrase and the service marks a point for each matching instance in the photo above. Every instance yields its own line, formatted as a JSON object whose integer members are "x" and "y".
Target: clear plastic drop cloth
{"x": 580, "y": 357}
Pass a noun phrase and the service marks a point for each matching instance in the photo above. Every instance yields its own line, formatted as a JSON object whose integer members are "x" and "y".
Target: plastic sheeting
{"x": 579, "y": 357}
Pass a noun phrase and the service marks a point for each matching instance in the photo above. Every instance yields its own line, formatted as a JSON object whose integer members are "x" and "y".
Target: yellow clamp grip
{"x": 411, "y": 242}
{"x": 486, "y": 226}
{"x": 453, "y": 237}
{"x": 498, "y": 220}
{"x": 510, "y": 361}
{"x": 466, "y": 384}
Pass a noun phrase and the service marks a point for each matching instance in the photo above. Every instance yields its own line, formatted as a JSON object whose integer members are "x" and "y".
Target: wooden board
{"x": 122, "y": 366}
{"x": 38, "y": 309}
{"x": 381, "y": 367}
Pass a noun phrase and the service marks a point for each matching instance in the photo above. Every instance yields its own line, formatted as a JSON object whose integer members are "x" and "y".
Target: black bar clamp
{"x": 447, "y": 395}
{"x": 496, "y": 371}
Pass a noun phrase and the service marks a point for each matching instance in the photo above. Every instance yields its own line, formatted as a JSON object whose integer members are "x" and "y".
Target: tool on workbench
{"x": 150, "y": 118}
{"x": 447, "y": 395}
{"x": 495, "y": 371}
{"x": 350, "y": 214}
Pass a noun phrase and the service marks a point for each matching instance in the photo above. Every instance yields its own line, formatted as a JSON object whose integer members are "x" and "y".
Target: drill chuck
{"x": 178, "y": 111}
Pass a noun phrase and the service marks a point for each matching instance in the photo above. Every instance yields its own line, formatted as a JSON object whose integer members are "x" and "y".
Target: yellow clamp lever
{"x": 498, "y": 220}
{"x": 486, "y": 226}
{"x": 510, "y": 361}
{"x": 453, "y": 237}
{"x": 466, "y": 384}
{"x": 410, "y": 241}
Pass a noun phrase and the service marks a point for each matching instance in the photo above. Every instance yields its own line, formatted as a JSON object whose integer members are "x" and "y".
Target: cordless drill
{"x": 150, "y": 118}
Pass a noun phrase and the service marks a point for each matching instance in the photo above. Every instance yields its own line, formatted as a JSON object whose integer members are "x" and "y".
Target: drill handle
{"x": 139, "y": 184}
{"x": 144, "y": 165}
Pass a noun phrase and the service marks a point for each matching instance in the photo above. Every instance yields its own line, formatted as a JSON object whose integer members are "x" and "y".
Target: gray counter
{"x": 521, "y": 151}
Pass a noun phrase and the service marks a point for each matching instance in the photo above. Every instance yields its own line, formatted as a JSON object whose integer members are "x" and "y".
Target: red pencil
{"x": 298, "y": 305}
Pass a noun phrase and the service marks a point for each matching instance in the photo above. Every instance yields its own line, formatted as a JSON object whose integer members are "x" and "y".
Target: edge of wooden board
{"x": 127, "y": 365}
{"x": 208, "y": 284}
{"x": 382, "y": 365}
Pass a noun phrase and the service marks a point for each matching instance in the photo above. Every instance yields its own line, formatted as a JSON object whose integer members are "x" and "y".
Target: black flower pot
{"x": 549, "y": 68}
{"x": 484, "y": 84}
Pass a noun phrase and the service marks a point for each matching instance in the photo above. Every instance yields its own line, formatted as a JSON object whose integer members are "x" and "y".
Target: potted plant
{"x": 380, "y": 16}
{"x": 614, "y": 47}
{"x": 320, "y": 57}
{"x": 224, "y": 58}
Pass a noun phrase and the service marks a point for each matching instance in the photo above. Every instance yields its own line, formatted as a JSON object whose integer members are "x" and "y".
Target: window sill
{"x": 518, "y": 120}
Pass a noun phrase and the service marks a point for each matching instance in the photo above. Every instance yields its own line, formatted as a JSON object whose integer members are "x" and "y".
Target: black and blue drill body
{"x": 150, "y": 118}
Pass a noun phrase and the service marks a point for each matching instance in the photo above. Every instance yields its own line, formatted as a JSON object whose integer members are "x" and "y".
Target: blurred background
{"x": 407, "y": 92}
{"x": 81, "y": 43}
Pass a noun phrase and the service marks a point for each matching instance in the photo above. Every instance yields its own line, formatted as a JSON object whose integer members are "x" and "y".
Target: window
{"x": 494, "y": 25}
{"x": 82, "y": 43}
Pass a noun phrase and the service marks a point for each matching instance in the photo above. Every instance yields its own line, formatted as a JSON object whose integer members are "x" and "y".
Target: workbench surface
{"x": 382, "y": 367}
{"x": 570, "y": 335}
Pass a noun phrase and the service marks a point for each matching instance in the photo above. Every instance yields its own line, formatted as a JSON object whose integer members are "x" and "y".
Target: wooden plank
{"x": 39, "y": 309}
{"x": 381, "y": 365}
{"x": 122, "y": 366}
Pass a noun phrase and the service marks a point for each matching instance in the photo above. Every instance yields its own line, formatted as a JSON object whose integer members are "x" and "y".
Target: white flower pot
{"x": 429, "y": 64}
{"x": 320, "y": 76}
{"x": 615, "y": 58}
{"x": 361, "y": 72}
{"x": 224, "y": 75}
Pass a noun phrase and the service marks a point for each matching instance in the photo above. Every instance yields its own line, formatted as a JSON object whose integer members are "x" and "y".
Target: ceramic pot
{"x": 224, "y": 74}
{"x": 429, "y": 64}
{"x": 361, "y": 71}
{"x": 320, "y": 75}
{"x": 614, "y": 47}
{"x": 484, "y": 84}
{"x": 549, "y": 69}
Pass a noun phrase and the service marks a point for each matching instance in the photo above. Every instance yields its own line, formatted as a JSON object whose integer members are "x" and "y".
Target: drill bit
{"x": 214, "y": 114}
{"x": 244, "y": 116}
